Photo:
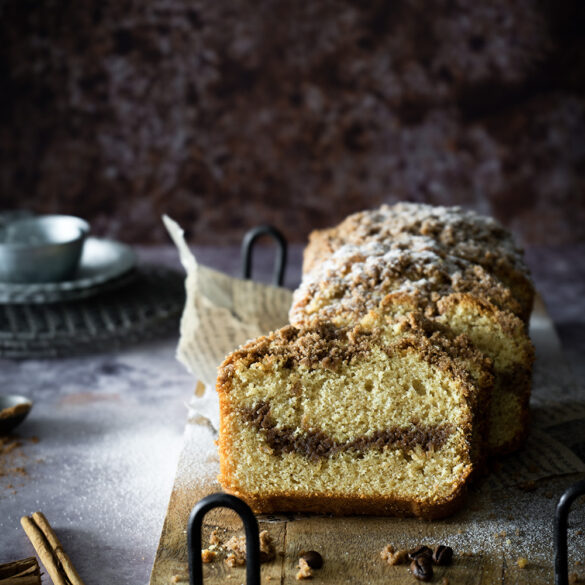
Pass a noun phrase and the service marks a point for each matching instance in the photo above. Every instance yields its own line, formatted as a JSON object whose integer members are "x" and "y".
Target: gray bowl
{"x": 46, "y": 248}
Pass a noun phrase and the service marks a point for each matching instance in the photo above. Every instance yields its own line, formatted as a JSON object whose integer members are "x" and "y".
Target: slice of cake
{"x": 352, "y": 421}
{"x": 501, "y": 336}
{"x": 462, "y": 233}
{"x": 462, "y": 296}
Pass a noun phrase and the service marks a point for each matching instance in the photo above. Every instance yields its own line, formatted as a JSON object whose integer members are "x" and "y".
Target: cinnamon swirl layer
{"x": 315, "y": 443}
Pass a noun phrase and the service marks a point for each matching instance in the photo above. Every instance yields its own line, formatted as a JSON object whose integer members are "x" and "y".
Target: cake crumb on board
{"x": 305, "y": 572}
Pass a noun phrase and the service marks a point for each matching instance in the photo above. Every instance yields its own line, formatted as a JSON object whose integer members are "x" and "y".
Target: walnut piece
{"x": 234, "y": 560}
{"x": 267, "y": 551}
{"x": 305, "y": 572}
{"x": 214, "y": 538}
{"x": 394, "y": 557}
{"x": 208, "y": 556}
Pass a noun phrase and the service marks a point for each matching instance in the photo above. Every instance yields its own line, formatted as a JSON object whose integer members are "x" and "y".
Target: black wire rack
{"x": 147, "y": 305}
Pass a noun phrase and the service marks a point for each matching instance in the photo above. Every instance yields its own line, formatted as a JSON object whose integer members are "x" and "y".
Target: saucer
{"x": 104, "y": 264}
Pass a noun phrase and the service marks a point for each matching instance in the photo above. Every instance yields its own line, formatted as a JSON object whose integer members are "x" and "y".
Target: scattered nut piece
{"x": 237, "y": 545}
{"x": 313, "y": 559}
{"x": 393, "y": 557}
{"x": 208, "y": 556}
{"x": 305, "y": 572}
{"x": 234, "y": 560}
{"x": 214, "y": 538}
{"x": 267, "y": 551}
{"x": 522, "y": 562}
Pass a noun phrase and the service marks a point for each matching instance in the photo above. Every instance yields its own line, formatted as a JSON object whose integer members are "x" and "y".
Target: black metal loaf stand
{"x": 221, "y": 500}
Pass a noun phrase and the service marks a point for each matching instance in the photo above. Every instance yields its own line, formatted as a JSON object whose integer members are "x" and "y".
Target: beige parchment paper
{"x": 221, "y": 313}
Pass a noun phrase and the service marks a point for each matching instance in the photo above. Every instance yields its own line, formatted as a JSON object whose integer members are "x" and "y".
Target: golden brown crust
{"x": 321, "y": 245}
{"x": 343, "y": 506}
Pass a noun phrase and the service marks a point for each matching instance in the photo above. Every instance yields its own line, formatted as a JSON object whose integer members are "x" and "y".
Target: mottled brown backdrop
{"x": 229, "y": 113}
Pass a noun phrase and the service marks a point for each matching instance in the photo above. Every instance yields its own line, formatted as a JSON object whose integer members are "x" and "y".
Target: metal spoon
{"x": 13, "y": 410}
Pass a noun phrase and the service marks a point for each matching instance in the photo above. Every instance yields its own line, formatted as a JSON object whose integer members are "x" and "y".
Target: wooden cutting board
{"x": 507, "y": 519}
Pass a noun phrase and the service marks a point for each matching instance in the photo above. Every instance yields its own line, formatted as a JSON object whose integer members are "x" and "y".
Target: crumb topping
{"x": 322, "y": 345}
{"x": 356, "y": 279}
{"x": 466, "y": 234}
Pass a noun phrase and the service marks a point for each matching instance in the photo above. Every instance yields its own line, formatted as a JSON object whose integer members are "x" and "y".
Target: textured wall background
{"x": 226, "y": 114}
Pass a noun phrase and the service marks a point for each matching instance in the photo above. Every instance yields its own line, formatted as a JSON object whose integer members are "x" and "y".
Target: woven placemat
{"x": 148, "y": 306}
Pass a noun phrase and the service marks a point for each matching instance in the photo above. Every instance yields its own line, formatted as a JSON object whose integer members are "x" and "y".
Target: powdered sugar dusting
{"x": 357, "y": 277}
{"x": 462, "y": 233}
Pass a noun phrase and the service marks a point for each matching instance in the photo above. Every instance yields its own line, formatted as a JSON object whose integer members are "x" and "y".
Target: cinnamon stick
{"x": 50, "y": 550}
{"x": 21, "y": 572}
{"x": 65, "y": 561}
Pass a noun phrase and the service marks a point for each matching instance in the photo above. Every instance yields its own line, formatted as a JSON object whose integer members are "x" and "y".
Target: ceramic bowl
{"x": 45, "y": 248}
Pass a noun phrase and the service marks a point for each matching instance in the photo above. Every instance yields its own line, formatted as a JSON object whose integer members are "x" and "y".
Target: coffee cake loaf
{"x": 460, "y": 295}
{"x": 461, "y": 233}
{"x": 384, "y": 421}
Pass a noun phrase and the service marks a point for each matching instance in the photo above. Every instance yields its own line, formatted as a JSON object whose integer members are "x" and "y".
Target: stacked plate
{"x": 104, "y": 264}
{"x": 111, "y": 300}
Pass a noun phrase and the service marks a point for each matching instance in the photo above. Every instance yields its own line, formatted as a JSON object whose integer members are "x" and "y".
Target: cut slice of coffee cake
{"x": 352, "y": 421}
{"x": 458, "y": 294}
